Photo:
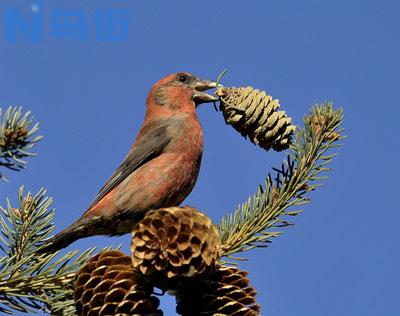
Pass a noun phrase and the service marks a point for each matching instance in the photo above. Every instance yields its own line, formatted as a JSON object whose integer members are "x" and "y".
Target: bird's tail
{"x": 65, "y": 238}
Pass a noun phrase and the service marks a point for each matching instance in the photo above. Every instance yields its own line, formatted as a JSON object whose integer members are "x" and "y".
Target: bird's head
{"x": 179, "y": 92}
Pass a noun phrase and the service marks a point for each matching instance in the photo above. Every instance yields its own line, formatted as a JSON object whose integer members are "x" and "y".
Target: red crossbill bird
{"x": 159, "y": 170}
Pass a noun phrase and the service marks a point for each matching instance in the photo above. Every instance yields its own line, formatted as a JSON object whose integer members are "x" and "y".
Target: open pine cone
{"x": 108, "y": 285}
{"x": 226, "y": 291}
{"x": 254, "y": 114}
{"x": 175, "y": 242}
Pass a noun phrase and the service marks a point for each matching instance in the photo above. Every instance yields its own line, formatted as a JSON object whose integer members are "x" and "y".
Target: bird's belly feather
{"x": 164, "y": 181}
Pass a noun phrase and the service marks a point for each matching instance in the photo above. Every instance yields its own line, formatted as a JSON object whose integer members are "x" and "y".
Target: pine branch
{"x": 256, "y": 221}
{"x": 30, "y": 282}
{"x": 16, "y": 138}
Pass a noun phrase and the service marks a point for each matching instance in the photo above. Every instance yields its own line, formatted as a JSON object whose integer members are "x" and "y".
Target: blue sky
{"x": 88, "y": 92}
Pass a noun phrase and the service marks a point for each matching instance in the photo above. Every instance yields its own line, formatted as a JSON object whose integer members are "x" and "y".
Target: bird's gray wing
{"x": 153, "y": 138}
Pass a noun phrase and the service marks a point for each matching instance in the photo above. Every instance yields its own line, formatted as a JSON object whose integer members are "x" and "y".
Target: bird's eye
{"x": 182, "y": 78}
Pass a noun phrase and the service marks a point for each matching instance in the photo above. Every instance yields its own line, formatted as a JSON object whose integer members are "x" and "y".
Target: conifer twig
{"x": 16, "y": 138}
{"x": 32, "y": 282}
{"x": 256, "y": 221}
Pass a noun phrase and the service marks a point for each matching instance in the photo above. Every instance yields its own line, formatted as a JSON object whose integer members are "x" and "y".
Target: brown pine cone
{"x": 108, "y": 285}
{"x": 14, "y": 137}
{"x": 226, "y": 291}
{"x": 175, "y": 242}
{"x": 254, "y": 114}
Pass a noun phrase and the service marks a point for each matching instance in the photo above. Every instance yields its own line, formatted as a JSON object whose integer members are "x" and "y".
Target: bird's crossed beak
{"x": 201, "y": 97}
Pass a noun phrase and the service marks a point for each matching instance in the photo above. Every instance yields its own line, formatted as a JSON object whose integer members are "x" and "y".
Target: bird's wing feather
{"x": 153, "y": 138}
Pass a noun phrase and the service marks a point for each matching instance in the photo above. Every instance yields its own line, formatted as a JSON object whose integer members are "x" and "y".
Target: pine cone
{"x": 174, "y": 242}
{"x": 14, "y": 137}
{"x": 254, "y": 114}
{"x": 226, "y": 291}
{"x": 108, "y": 285}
